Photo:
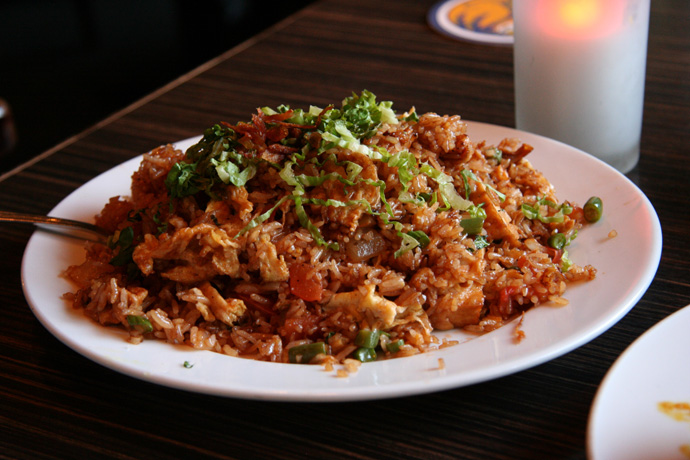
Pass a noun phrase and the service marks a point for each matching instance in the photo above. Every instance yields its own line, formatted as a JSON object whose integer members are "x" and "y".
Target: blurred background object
{"x": 67, "y": 64}
{"x": 8, "y": 131}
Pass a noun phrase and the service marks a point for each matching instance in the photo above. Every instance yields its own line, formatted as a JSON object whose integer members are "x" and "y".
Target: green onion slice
{"x": 140, "y": 322}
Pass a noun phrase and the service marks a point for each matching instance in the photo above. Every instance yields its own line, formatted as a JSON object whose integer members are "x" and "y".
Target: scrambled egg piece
{"x": 365, "y": 303}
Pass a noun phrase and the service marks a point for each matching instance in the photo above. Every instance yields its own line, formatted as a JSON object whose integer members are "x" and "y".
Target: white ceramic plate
{"x": 626, "y": 420}
{"x": 623, "y": 276}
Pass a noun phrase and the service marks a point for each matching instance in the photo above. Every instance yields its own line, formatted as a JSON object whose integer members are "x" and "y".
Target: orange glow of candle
{"x": 580, "y": 19}
{"x": 579, "y": 14}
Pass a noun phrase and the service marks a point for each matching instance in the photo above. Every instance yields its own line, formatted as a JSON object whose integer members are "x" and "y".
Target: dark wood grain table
{"x": 54, "y": 403}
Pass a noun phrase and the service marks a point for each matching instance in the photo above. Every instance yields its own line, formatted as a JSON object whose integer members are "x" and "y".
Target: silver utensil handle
{"x": 7, "y": 216}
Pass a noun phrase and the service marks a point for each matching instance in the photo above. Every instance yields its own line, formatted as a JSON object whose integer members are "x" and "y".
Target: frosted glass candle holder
{"x": 580, "y": 72}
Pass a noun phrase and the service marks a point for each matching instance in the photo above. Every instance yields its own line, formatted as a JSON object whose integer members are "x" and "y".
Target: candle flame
{"x": 579, "y": 14}
{"x": 581, "y": 18}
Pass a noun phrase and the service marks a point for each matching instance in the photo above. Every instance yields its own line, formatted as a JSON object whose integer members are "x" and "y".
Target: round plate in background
{"x": 482, "y": 21}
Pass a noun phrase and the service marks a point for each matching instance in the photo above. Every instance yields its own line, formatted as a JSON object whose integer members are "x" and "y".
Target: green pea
{"x": 593, "y": 209}
{"x": 557, "y": 241}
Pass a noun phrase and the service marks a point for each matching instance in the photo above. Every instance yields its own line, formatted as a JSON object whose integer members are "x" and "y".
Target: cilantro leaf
{"x": 183, "y": 180}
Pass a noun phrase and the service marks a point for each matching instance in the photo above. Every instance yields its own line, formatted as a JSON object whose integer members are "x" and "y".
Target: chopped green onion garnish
{"x": 557, "y": 241}
{"x": 593, "y": 209}
{"x": 473, "y": 224}
{"x": 408, "y": 244}
{"x": 480, "y": 242}
{"x": 140, "y": 322}
{"x": 420, "y": 236}
{"x": 412, "y": 117}
{"x": 566, "y": 263}
{"x": 407, "y": 166}
{"x": 446, "y": 188}
{"x": 534, "y": 211}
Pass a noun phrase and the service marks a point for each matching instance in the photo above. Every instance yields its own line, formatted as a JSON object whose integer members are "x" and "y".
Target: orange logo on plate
{"x": 484, "y": 16}
{"x": 484, "y": 21}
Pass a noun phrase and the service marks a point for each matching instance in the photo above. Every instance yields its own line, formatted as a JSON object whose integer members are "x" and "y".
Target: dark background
{"x": 67, "y": 64}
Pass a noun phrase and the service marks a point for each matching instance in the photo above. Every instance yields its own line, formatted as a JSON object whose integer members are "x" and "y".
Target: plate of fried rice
{"x": 345, "y": 252}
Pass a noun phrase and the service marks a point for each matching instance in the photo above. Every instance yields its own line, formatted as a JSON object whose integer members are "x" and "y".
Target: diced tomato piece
{"x": 578, "y": 214}
{"x": 556, "y": 254}
{"x": 305, "y": 282}
{"x": 299, "y": 327}
{"x": 522, "y": 261}
{"x": 505, "y": 300}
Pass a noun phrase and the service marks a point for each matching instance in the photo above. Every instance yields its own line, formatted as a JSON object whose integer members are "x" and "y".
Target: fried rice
{"x": 327, "y": 234}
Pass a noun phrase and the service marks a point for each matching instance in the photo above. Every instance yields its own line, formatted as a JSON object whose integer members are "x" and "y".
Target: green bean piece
{"x": 368, "y": 338}
{"x": 394, "y": 347}
{"x": 303, "y": 354}
{"x": 557, "y": 241}
{"x": 593, "y": 209}
{"x": 365, "y": 354}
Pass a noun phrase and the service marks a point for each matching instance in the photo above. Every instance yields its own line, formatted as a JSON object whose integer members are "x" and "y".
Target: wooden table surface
{"x": 54, "y": 403}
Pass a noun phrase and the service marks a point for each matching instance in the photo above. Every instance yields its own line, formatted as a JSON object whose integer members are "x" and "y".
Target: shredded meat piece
{"x": 497, "y": 223}
{"x": 228, "y": 311}
{"x": 193, "y": 254}
{"x": 461, "y": 306}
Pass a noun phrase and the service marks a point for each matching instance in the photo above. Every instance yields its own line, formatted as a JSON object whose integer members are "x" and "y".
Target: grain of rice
{"x": 351, "y": 365}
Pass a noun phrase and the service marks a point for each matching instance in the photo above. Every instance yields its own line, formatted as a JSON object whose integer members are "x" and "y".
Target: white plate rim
{"x": 379, "y": 380}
